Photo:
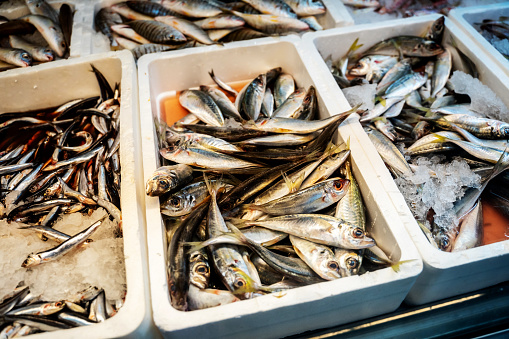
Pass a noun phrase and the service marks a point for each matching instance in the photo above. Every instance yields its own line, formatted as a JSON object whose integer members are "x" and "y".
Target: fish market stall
{"x": 198, "y": 28}
{"x": 475, "y": 21}
{"x": 81, "y": 246}
{"x": 295, "y": 310}
{"x": 470, "y": 269}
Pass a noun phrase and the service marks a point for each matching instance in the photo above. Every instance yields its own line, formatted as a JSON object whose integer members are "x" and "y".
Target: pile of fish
{"x": 148, "y": 27}
{"x": 255, "y": 199}
{"x": 416, "y": 115}
{"x": 55, "y": 162}
{"x": 407, "y": 8}
{"x": 497, "y": 33}
{"x": 21, "y": 47}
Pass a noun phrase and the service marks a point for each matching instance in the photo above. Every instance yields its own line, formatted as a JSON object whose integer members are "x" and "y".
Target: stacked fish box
{"x": 18, "y": 10}
{"x": 445, "y": 274}
{"x": 296, "y": 310}
{"x": 470, "y": 20}
{"x": 50, "y": 85}
{"x": 336, "y": 15}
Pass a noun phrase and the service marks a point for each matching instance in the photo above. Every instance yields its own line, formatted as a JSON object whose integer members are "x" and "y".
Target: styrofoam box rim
{"x": 434, "y": 259}
{"x": 134, "y": 318}
{"x": 458, "y": 16}
{"x": 338, "y": 14}
{"x": 176, "y": 323}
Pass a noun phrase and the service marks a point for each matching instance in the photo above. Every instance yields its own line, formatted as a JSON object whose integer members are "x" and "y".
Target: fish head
{"x": 330, "y": 268}
{"x": 32, "y": 260}
{"x": 48, "y": 54}
{"x": 25, "y": 58}
{"x": 349, "y": 261}
{"x": 427, "y": 48}
{"x": 158, "y": 185}
{"x": 178, "y": 297}
{"x": 361, "y": 68}
{"x": 356, "y": 237}
{"x": 200, "y": 270}
{"x": 444, "y": 241}
{"x": 177, "y": 206}
{"x": 337, "y": 188}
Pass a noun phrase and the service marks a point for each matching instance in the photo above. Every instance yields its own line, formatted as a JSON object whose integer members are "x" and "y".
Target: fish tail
{"x": 440, "y": 138}
{"x": 293, "y": 186}
{"x": 382, "y": 101}
{"x": 237, "y": 234}
{"x": 414, "y": 118}
{"x": 501, "y": 165}
{"x": 239, "y": 223}
{"x": 396, "y": 266}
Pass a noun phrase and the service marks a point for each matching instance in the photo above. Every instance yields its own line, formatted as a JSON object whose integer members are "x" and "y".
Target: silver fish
{"x": 15, "y": 56}
{"x": 253, "y": 97}
{"x": 188, "y": 28}
{"x": 349, "y": 261}
{"x": 166, "y": 178}
{"x": 283, "y": 88}
{"x": 63, "y": 248}
{"x": 192, "y": 8}
{"x": 471, "y": 230}
{"x": 320, "y": 258}
{"x": 202, "y": 105}
{"x": 441, "y": 73}
{"x": 50, "y": 31}
{"x": 38, "y": 53}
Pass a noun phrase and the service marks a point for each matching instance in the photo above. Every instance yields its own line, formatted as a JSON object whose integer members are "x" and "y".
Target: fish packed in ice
{"x": 149, "y": 27}
{"x": 255, "y": 196}
{"x": 60, "y": 217}
{"x": 41, "y": 36}
{"x": 442, "y": 133}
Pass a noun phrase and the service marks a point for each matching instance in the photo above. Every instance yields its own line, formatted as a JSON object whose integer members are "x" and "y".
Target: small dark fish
{"x": 104, "y": 19}
{"x": 436, "y": 30}
{"x": 243, "y": 34}
{"x": 65, "y": 18}
{"x": 150, "y": 8}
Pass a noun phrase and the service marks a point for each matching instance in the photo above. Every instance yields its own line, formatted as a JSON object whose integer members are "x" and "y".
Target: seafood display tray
{"x": 336, "y": 16}
{"x": 445, "y": 274}
{"x": 80, "y": 9}
{"x": 52, "y": 84}
{"x": 301, "y": 309}
{"x": 466, "y": 17}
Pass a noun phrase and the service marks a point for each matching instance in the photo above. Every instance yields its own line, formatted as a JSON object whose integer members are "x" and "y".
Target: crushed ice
{"x": 437, "y": 185}
{"x": 361, "y": 95}
{"x": 483, "y": 99}
{"x": 99, "y": 263}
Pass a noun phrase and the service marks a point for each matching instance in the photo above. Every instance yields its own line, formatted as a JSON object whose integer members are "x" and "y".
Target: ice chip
{"x": 361, "y": 95}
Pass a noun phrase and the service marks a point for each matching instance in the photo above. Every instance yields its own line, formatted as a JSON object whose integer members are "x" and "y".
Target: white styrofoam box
{"x": 336, "y": 16}
{"x": 444, "y": 274}
{"x": 466, "y": 17}
{"x": 54, "y": 83}
{"x": 310, "y": 307}
{"x": 79, "y": 7}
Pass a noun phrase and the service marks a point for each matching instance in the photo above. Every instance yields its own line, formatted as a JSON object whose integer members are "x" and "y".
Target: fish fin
{"x": 382, "y": 119}
{"x": 413, "y": 117}
{"x": 106, "y": 91}
{"x": 396, "y": 266}
{"x": 501, "y": 165}
{"x": 439, "y": 138}
{"x": 239, "y": 223}
{"x": 194, "y": 246}
{"x": 293, "y": 186}
{"x": 382, "y": 101}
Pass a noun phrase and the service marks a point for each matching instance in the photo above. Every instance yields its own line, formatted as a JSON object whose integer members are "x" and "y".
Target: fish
{"x": 319, "y": 258}
{"x": 441, "y": 72}
{"x": 311, "y": 199}
{"x": 252, "y": 100}
{"x": 243, "y": 33}
{"x": 157, "y": 32}
{"x": 192, "y": 8}
{"x": 274, "y": 7}
{"x": 205, "y": 298}
{"x": 199, "y": 269}
{"x": 123, "y": 9}
{"x": 321, "y": 229}
{"x": 220, "y": 21}
{"x": 168, "y": 178}
{"x": 202, "y": 105}
{"x": 287, "y": 139}
{"x": 400, "y": 69}
{"x": 224, "y": 86}
{"x": 104, "y": 19}
{"x": 272, "y": 24}
{"x": 429, "y": 143}
{"x": 50, "y": 31}
{"x": 283, "y": 88}
{"x": 349, "y": 261}
{"x": 128, "y": 32}
{"x": 204, "y": 141}
{"x": 312, "y": 23}
{"x": 188, "y": 28}
{"x": 38, "y": 309}
{"x": 471, "y": 230}
{"x": 326, "y": 168}
{"x": 405, "y": 85}
{"x": 410, "y": 46}
{"x": 306, "y": 7}
{"x": 15, "y": 56}
{"x": 38, "y": 53}
{"x": 41, "y": 7}
{"x": 62, "y": 249}
{"x": 152, "y": 9}
{"x": 226, "y": 107}
{"x": 351, "y": 208}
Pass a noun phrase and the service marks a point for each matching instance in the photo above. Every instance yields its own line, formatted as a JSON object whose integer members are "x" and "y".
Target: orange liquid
{"x": 170, "y": 109}
{"x": 496, "y": 224}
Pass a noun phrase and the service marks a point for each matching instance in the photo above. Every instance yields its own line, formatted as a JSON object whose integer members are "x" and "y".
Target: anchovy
{"x": 63, "y": 248}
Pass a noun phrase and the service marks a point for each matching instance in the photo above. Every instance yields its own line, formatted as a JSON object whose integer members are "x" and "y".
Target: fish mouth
{"x": 366, "y": 243}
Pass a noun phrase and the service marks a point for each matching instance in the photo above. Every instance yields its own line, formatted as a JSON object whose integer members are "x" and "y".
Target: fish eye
{"x": 419, "y": 46}
{"x": 175, "y": 202}
{"x": 352, "y": 262}
{"x": 163, "y": 183}
{"x": 239, "y": 283}
{"x": 173, "y": 288}
{"x": 332, "y": 265}
{"x": 63, "y": 44}
{"x": 202, "y": 269}
{"x": 24, "y": 55}
{"x": 358, "y": 233}
{"x": 338, "y": 184}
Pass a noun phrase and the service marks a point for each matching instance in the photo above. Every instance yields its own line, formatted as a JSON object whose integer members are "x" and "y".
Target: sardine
{"x": 167, "y": 178}
{"x": 50, "y": 31}
{"x": 252, "y": 100}
{"x": 202, "y": 105}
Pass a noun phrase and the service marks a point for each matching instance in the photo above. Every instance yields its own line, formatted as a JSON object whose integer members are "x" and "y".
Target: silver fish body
{"x": 50, "y": 31}
{"x": 187, "y": 27}
{"x": 38, "y": 53}
{"x": 167, "y": 178}
{"x": 202, "y": 105}
{"x": 15, "y": 56}
{"x": 441, "y": 72}
{"x": 471, "y": 230}
{"x": 320, "y": 258}
{"x": 253, "y": 97}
